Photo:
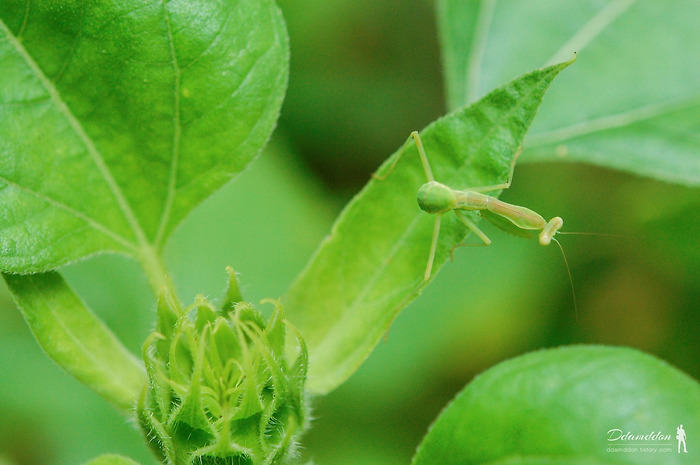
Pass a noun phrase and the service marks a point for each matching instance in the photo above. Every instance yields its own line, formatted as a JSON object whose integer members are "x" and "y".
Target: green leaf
{"x": 374, "y": 259}
{"x": 76, "y": 339}
{"x": 565, "y": 406}
{"x": 117, "y": 118}
{"x": 631, "y": 104}
{"x": 111, "y": 459}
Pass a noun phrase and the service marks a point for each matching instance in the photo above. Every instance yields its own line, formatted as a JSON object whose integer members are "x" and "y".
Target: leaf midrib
{"x": 614, "y": 121}
{"x": 576, "y": 43}
{"x": 476, "y": 54}
{"x": 92, "y": 149}
{"x": 78, "y": 343}
{"x": 598, "y": 23}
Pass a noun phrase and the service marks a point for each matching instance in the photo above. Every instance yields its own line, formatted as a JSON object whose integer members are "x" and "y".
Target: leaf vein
{"x": 24, "y": 20}
{"x": 177, "y": 133}
{"x": 213, "y": 41}
{"x": 93, "y": 223}
{"x": 216, "y": 167}
{"x": 69, "y": 58}
{"x": 589, "y": 31}
{"x": 476, "y": 54}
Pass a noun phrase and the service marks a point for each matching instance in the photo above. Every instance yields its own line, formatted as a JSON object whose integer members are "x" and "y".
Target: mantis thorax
{"x": 435, "y": 197}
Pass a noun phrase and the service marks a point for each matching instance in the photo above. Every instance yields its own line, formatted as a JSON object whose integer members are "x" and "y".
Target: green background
{"x": 364, "y": 74}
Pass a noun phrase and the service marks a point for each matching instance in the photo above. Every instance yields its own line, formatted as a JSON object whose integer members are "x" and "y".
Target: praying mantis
{"x": 437, "y": 198}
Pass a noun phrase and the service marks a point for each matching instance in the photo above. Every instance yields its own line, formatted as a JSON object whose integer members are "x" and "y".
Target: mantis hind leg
{"x": 473, "y": 228}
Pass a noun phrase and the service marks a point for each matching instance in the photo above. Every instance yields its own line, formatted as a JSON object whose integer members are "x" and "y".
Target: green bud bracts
{"x": 225, "y": 387}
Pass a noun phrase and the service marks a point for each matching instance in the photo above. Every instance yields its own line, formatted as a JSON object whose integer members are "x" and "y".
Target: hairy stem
{"x": 156, "y": 272}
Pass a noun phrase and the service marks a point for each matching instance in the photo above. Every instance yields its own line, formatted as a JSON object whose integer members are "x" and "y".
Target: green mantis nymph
{"x": 438, "y": 199}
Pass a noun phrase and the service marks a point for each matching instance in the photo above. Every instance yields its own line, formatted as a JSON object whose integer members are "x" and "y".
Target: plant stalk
{"x": 156, "y": 272}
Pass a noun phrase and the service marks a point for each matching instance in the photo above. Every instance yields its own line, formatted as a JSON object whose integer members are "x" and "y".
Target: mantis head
{"x": 550, "y": 230}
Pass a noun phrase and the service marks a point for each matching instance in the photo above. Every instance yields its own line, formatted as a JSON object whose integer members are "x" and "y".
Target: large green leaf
{"x": 570, "y": 405}
{"x": 118, "y": 117}
{"x": 634, "y": 103}
{"x": 373, "y": 260}
{"x": 76, "y": 339}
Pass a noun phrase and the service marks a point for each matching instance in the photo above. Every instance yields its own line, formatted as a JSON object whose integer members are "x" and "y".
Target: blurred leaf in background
{"x": 630, "y": 106}
{"x": 364, "y": 74}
